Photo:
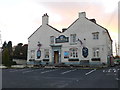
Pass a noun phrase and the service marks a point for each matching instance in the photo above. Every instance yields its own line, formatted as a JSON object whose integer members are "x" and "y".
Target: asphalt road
{"x": 61, "y": 78}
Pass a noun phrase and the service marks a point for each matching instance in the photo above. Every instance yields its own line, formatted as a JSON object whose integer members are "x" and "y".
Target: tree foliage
{"x": 20, "y": 51}
{"x": 7, "y": 54}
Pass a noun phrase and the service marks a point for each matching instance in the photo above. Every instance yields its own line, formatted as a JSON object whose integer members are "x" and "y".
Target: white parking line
{"x": 109, "y": 70}
{"x": 68, "y": 71}
{"x": 32, "y": 70}
{"x": 103, "y": 70}
{"x": 13, "y": 71}
{"x": 114, "y": 70}
{"x": 90, "y": 72}
{"x": 117, "y": 79}
{"x": 48, "y": 71}
{"x": 18, "y": 70}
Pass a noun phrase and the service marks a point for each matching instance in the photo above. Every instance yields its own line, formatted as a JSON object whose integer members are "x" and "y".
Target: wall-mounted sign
{"x": 62, "y": 39}
{"x": 38, "y": 54}
{"x": 85, "y": 52}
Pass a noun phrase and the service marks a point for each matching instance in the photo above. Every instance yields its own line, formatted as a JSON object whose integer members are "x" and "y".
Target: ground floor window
{"x": 38, "y": 54}
{"x": 66, "y": 54}
{"x": 96, "y": 52}
{"x": 73, "y": 52}
{"x": 32, "y": 54}
{"x": 46, "y": 53}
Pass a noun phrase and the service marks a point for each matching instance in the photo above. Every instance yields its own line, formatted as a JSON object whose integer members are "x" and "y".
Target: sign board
{"x": 38, "y": 54}
{"x": 62, "y": 39}
{"x": 85, "y": 52}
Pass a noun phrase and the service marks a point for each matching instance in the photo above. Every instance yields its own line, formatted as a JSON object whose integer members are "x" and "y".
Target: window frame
{"x": 95, "y": 35}
{"x": 46, "y": 51}
{"x": 73, "y": 38}
{"x": 52, "y": 39}
{"x": 96, "y": 52}
{"x": 73, "y": 53}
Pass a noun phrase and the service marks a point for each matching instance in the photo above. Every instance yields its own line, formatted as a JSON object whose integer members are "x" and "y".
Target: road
{"x": 61, "y": 78}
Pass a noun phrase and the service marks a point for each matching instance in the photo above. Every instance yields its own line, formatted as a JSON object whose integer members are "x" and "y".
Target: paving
{"x": 61, "y": 78}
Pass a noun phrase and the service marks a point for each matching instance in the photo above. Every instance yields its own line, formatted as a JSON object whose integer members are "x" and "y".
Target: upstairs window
{"x": 95, "y": 35}
{"x": 73, "y": 52}
{"x": 51, "y": 39}
{"x": 73, "y": 38}
{"x": 46, "y": 53}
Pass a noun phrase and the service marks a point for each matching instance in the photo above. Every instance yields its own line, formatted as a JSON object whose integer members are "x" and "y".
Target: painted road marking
{"x": 90, "y": 72}
{"x": 68, "y": 71}
{"x": 109, "y": 70}
{"x": 14, "y": 71}
{"x": 32, "y": 70}
{"x": 48, "y": 71}
{"x": 103, "y": 70}
{"x": 117, "y": 79}
{"x": 18, "y": 70}
{"x": 114, "y": 70}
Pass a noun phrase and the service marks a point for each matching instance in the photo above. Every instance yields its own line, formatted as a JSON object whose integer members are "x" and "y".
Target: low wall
{"x": 20, "y": 61}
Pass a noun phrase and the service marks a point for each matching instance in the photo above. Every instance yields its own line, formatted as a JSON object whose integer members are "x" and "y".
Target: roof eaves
{"x": 101, "y": 27}
{"x": 54, "y": 28}
{"x": 71, "y": 24}
{"x": 34, "y": 32}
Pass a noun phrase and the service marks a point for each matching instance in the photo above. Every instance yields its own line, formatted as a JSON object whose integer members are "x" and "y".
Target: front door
{"x": 56, "y": 57}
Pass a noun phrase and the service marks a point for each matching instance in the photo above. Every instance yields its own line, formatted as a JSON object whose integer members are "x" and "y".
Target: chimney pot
{"x": 82, "y": 15}
{"x": 45, "y": 19}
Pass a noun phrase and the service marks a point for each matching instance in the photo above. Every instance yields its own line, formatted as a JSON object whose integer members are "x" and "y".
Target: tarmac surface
{"x": 61, "y": 78}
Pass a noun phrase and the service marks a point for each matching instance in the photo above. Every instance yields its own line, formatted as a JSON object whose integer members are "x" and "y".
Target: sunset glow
{"x": 20, "y": 18}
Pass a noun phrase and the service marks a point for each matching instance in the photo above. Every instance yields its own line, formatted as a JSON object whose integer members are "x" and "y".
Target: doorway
{"x": 56, "y": 57}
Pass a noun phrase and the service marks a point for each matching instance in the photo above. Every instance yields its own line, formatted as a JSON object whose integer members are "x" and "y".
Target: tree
{"x": 10, "y": 51}
{"x": 4, "y": 45}
{"x": 7, "y": 54}
{"x": 6, "y": 58}
{"x": 20, "y": 51}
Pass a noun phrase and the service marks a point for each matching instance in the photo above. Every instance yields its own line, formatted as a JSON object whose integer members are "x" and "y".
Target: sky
{"x": 20, "y": 18}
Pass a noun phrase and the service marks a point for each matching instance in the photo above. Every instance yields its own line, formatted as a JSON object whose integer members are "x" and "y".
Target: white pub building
{"x": 83, "y": 42}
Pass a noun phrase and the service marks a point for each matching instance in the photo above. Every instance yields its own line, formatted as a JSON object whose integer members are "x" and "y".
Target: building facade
{"x": 83, "y": 42}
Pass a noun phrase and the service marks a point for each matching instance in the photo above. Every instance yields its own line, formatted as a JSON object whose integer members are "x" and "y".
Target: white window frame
{"x": 46, "y": 53}
{"x": 32, "y": 55}
{"x": 52, "y": 39}
{"x": 73, "y": 38}
{"x": 73, "y": 52}
{"x": 96, "y": 52}
{"x": 95, "y": 35}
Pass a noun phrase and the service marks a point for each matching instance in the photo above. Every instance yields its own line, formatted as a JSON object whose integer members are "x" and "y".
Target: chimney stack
{"x": 45, "y": 19}
{"x": 82, "y": 15}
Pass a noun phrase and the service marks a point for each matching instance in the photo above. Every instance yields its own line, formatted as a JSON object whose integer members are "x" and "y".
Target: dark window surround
{"x": 71, "y": 59}
{"x": 45, "y": 59}
{"x": 95, "y": 59}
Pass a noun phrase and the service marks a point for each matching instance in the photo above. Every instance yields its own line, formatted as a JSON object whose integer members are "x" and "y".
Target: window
{"x": 32, "y": 54}
{"x": 38, "y": 54}
{"x": 96, "y": 35}
{"x": 73, "y": 38}
{"x": 46, "y": 53}
{"x": 96, "y": 52}
{"x": 66, "y": 54}
{"x": 51, "y": 39}
{"x": 73, "y": 52}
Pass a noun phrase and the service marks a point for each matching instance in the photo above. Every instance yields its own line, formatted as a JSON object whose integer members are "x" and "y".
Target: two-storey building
{"x": 83, "y": 42}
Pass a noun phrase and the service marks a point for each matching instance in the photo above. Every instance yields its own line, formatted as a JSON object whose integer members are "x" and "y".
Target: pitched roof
{"x": 54, "y": 28}
{"x": 34, "y": 31}
{"x": 92, "y": 20}
{"x": 47, "y": 25}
